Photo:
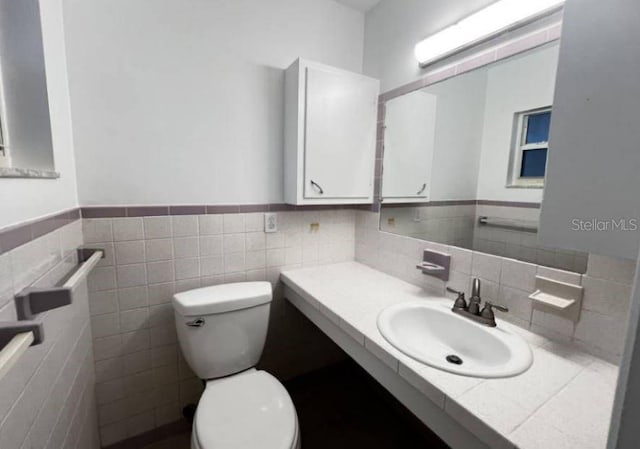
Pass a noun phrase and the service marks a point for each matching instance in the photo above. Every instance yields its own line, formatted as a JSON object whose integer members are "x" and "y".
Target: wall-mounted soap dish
{"x": 552, "y": 300}
{"x": 557, "y": 297}
{"x": 430, "y": 267}
{"x": 435, "y": 264}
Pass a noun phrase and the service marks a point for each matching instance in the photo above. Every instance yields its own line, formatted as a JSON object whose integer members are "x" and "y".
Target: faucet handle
{"x": 499, "y": 307}
{"x": 487, "y": 313}
{"x": 460, "y": 302}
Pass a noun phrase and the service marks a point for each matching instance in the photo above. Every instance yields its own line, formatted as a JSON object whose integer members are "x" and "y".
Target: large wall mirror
{"x": 465, "y": 160}
{"x": 26, "y": 148}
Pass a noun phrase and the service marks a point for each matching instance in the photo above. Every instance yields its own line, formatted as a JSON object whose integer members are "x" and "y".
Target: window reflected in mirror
{"x": 532, "y": 147}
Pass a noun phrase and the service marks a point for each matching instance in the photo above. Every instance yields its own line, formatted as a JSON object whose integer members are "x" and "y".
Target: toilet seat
{"x": 250, "y": 410}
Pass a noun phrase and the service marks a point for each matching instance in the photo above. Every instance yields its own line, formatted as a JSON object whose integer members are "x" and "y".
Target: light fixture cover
{"x": 496, "y": 18}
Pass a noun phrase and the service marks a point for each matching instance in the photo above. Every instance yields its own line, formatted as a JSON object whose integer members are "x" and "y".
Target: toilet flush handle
{"x": 196, "y": 323}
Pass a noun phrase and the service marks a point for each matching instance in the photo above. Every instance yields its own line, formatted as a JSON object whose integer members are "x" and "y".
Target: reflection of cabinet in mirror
{"x": 330, "y": 135}
{"x": 409, "y": 142}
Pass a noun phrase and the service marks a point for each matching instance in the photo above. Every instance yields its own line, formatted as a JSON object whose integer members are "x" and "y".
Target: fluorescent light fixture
{"x": 497, "y": 18}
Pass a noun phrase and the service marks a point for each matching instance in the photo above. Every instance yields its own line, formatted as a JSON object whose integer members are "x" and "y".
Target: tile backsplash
{"x": 47, "y": 398}
{"x": 607, "y": 285}
{"x": 142, "y": 380}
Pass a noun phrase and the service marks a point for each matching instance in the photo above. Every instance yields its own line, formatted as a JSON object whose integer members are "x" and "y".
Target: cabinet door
{"x": 408, "y": 147}
{"x": 340, "y": 130}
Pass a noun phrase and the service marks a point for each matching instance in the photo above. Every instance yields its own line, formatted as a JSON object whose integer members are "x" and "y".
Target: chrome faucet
{"x": 472, "y": 310}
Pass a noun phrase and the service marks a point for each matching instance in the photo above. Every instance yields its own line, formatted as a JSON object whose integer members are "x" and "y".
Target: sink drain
{"x": 454, "y": 359}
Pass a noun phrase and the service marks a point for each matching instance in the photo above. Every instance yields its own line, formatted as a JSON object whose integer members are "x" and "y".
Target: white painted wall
{"x": 24, "y": 199}
{"x": 182, "y": 102}
{"x": 394, "y": 27}
{"x": 519, "y": 84}
{"x": 360, "y": 5}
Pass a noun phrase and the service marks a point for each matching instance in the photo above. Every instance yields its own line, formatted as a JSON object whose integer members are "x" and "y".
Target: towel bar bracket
{"x": 32, "y": 301}
{"x": 9, "y": 330}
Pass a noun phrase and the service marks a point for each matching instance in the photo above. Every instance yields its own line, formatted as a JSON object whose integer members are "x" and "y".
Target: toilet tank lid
{"x": 222, "y": 298}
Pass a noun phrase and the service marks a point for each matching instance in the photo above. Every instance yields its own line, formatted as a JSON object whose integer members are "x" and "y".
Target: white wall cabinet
{"x": 593, "y": 174}
{"x": 408, "y": 149}
{"x": 330, "y": 135}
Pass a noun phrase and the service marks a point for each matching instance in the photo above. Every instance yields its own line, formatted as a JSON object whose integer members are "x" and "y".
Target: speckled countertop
{"x": 563, "y": 401}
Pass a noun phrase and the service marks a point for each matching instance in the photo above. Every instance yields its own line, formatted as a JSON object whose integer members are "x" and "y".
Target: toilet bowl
{"x": 248, "y": 410}
{"x": 222, "y": 331}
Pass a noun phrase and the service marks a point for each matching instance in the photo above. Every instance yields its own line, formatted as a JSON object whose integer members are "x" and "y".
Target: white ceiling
{"x": 360, "y": 5}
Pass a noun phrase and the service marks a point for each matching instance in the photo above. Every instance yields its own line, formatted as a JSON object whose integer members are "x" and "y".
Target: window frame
{"x": 519, "y": 147}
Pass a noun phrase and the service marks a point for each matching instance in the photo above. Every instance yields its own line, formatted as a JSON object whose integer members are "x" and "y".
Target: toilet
{"x": 222, "y": 331}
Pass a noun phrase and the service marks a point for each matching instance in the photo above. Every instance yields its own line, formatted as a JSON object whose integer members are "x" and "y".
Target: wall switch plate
{"x": 270, "y": 222}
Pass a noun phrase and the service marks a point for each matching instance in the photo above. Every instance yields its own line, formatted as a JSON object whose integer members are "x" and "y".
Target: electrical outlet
{"x": 270, "y": 222}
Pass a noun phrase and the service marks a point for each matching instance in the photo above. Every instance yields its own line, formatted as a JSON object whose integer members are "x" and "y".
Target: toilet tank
{"x": 222, "y": 329}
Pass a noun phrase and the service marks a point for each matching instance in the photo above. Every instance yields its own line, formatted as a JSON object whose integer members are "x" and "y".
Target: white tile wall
{"x": 607, "y": 285}
{"x": 142, "y": 380}
{"x": 47, "y": 399}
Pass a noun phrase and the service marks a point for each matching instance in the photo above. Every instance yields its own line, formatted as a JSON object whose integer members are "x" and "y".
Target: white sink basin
{"x": 431, "y": 333}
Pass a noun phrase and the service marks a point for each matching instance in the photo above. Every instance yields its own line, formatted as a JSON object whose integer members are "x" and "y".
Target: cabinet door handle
{"x": 317, "y": 186}
{"x": 424, "y": 186}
